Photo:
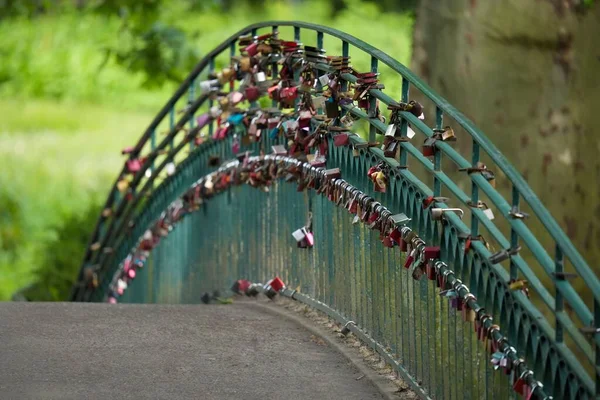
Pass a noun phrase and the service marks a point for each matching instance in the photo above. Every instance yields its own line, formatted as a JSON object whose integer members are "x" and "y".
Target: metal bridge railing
{"x": 133, "y": 205}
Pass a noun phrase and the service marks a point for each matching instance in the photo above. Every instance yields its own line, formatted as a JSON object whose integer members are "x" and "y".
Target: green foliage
{"x": 59, "y": 58}
{"x": 55, "y": 163}
{"x": 11, "y": 225}
{"x": 158, "y": 51}
{"x": 55, "y": 276}
{"x": 67, "y": 109}
{"x": 162, "y": 53}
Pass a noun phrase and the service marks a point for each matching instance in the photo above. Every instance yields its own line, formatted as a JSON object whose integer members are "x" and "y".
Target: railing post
{"x": 231, "y": 54}
{"x": 558, "y": 299}
{"x": 172, "y": 124}
{"x": 344, "y": 87}
{"x": 192, "y": 95}
{"x": 274, "y": 65}
{"x": 404, "y": 123}
{"x": 372, "y": 105}
{"x": 437, "y": 158}
{"x": 345, "y": 53}
{"x": 211, "y": 68}
{"x": 597, "y": 347}
{"x": 152, "y": 148}
{"x": 474, "y": 191}
{"x": 320, "y": 40}
{"x": 514, "y": 237}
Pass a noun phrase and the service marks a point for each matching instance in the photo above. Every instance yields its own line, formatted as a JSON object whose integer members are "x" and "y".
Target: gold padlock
{"x": 245, "y": 64}
{"x": 122, "y": 185}
{"x": 448, "y": 134}
{"x": 225, "y": 75}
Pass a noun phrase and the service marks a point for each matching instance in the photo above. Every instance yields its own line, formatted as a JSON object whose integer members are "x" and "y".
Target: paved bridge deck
{"x": 96, "y": 351}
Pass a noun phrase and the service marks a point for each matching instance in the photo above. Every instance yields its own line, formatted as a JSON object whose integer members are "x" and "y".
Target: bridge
{"x": 279, "y": 173}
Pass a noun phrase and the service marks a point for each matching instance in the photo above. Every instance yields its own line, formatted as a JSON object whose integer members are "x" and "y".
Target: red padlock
{"x": 252, "y": 93}
{"x": 410, "y": 259}
{"x": 387, "y": 241}
{"x": 428, "y": 201}
{"x": 396, "y": 236}
{"x": 341, "y": 139}
{"x": 429, "y": 147}
{"x": 432, "y": 253}
{"x": 277, "y": 284}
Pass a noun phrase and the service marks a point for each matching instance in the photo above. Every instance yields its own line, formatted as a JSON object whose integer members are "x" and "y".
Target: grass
{"x": 65, "y": 119}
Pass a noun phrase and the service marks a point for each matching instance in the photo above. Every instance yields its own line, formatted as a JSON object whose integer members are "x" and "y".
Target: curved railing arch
{"x": 114, "y": 232}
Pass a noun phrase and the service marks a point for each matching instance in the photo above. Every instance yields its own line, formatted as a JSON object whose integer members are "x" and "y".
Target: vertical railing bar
{"x": 232, "y": 54}
{"x": 297, "y": 34}
{"x": 514, "y": 237}
{"x": 172, "y": 124}
{"x": 474, "y": 192}
{"x": 427, "y": 335}
{"x": 423, "y": 311}
{"x": 558, "y": 299}
{"x": 414, "y": 332}
{"x": 191, "y": 98}
{"x": 597, "y": 347}
{"x": 152, "y": 149}
{"x": 211, "y": 68}
{"x": 437, "y": 158}
{"x": 372, "y": 104}
{"x": 404, "y": 123}
{"x": 274, "y": 64}
{"x": 320, "y": 40}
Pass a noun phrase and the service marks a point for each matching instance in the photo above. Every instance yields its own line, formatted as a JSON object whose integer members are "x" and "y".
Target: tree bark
{"x": 527, "y": 72}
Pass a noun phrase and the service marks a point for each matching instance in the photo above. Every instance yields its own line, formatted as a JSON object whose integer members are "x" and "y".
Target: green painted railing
{"x": 246, "y": 233}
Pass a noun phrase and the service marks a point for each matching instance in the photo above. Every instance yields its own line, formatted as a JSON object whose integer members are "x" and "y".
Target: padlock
{"x": 447, "y": 134}
{"x": 332, "y": 109}
{"x": 391, "y": 147}
{"x": 429, "y": 147}
{"x": 391, "y": 130}
{"x": 432, "y": 252}
{"x": 416, "y": 109}
{"x": 277, "y": 284}
{"x": 134, "y": 165}
{"x": 410, "y": 258}
{"x": 252, "y": 93}
{"x": 341, "y": 139}
{"x": 251, "y": 49}
{"x": 380, "y": 181}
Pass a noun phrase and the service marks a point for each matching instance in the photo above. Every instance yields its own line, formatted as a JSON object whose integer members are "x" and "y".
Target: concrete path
{"x": 96, "y": 351}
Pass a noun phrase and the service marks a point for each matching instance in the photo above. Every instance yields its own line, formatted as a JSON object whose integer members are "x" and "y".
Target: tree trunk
{"x": 527, "y": 72}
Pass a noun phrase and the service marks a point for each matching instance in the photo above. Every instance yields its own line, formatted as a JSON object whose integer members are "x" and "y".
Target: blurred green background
{"x": 80, "y": 80}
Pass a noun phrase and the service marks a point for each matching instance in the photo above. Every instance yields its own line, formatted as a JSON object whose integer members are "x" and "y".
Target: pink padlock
{"x": 252, "y": 49}
{"x": 310, "y": 239}
{"x": 134, "y": 165}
